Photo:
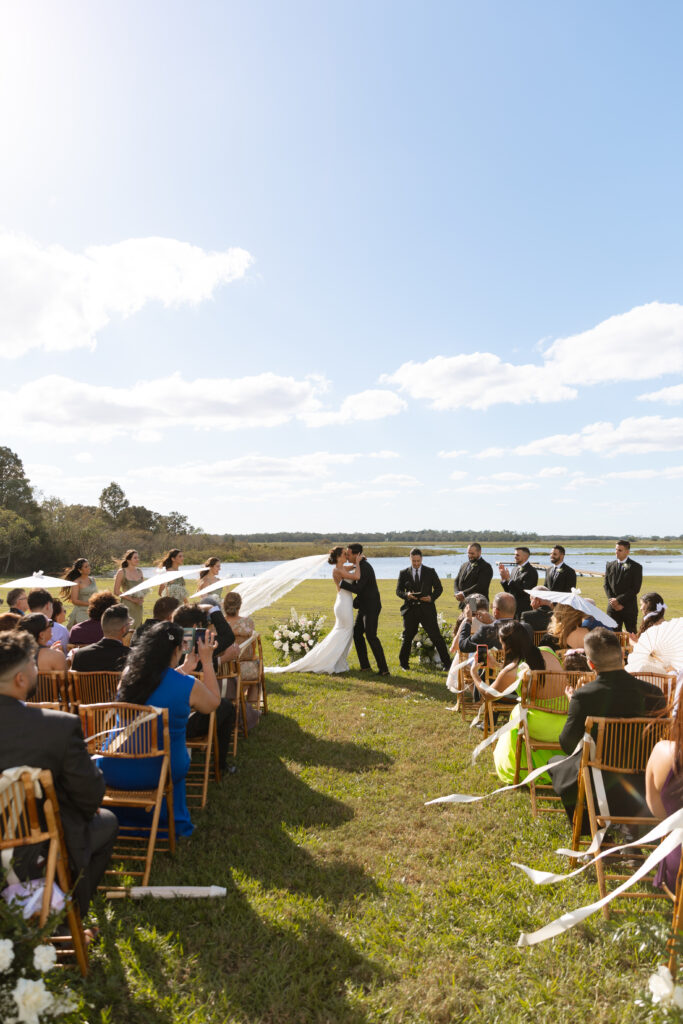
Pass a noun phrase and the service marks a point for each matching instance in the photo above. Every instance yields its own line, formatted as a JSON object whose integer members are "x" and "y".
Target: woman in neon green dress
{"x": 520, "y": 654}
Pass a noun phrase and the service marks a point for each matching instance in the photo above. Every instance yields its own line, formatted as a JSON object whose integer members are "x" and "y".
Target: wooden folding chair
{"x": 50, "y": 691}
{"x": 543, "y": 691}
{"x": 254, "y": 689}
{"x": 675, "y": 938}
{"x": 31, "y": 819}
{"x": 538, "y": 635}
{"x": 666, "y": 683}
{"x": 231, "y": 678}
{"x": 134, "y": 732}
{"x": 622, "y": 746}
{"x": 92, "y": 687}
{"x": 197, "y": 781}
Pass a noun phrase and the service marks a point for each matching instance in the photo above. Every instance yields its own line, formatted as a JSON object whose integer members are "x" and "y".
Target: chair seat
{"x": 132, "y": 797}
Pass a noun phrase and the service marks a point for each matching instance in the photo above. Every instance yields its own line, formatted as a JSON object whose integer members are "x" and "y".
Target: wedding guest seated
{"x": 161, "y": 612}
{"x": 90, "y": 631}
{"x": 541, "y": 611}
{"x": 243, "y": 627}
{"x": 40, "y": 627}
{"x": 481, "y": 617}
{"x": 664, "y": 791}
{"x": 17, "y": 601}
{"x": 504, "y": 607}
{"x": 614, "y": 693}
{"x": 652, "y": 609}
{"x": 190, "y": 617}
{"x": 152, "y": 677}
{"x": 42, "y": 738}
{"x": 41, "y": 600}
{"x": 8, "y": 620}
{"x": 565, "y": 629}
{"x": 520, "y": 655}
{"x": 109, "y": 654}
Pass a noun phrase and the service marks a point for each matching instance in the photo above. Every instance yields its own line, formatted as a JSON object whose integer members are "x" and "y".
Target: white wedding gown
{"x": 331, "y": 653}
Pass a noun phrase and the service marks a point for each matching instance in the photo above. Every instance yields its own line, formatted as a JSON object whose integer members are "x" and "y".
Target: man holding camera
{"x": 419, "y": 587}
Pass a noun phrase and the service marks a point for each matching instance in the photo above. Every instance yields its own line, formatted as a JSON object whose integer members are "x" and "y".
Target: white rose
{"x": 306, "y": 637}
{"x": 285, "y": 648}
{"x": 276, "y": 634}
{"x": 32, "y": 999}
{"x": 6, "y": 954}
{"x": 663, "y": 990}
{"x": 296, "y": 647}
{"x": 44, "y": 958}
{"x": 277, "y": 643}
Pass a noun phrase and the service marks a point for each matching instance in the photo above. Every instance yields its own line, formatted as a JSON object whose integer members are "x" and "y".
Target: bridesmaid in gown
{"x": 171, "y": 562}
{"x": 151, "y": 676}
{"x": 129, "y": 575}
{"x": 81, "y": 593}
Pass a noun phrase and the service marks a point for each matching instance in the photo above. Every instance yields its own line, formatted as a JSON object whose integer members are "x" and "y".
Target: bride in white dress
{"x": 331, "y": 653}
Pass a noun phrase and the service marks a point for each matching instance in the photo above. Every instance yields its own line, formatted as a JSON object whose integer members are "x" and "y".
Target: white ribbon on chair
{"x": 670, "y": 830}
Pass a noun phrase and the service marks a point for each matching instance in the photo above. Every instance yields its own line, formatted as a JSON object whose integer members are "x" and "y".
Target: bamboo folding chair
{"x": 230, "y": 673}
{"x": 543, "y": 691}
{"x": 134, "y": 732}
{"x": 674, "y": 939}
{"x": 50, "y": 691}
{"x": 251, "y": 650}
{"x": 538, "y": 635}
{"x": 92, "y": 687}
{"x": 29, "y": 816}
{"x": 620, "y": 746}
{"x": 666, "y": 683}
{"x": 197, "y": 781}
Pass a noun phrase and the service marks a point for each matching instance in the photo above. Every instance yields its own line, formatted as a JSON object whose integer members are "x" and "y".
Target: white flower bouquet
{"x": 295, "y": 637}
{"x": 31, "y": 991}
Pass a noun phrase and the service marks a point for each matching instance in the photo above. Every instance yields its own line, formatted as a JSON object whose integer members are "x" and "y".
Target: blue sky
{"x": 346, "y": 266}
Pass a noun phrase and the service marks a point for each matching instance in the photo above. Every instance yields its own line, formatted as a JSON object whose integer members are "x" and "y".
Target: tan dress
{"x": 79, "y": 613}
{"x": 134, "y": 609}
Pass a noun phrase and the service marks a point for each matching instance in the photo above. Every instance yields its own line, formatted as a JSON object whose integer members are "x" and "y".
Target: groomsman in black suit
{"x": 623, "y": 580}
{"x": 474, "y": 575}
{"x": 559, "y": 576}
{"x": 522, "y": 578}
{"x": 419, "y": 587}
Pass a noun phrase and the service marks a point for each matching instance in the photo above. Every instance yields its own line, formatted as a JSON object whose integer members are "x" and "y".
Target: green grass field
{"x": 348, "y": 900}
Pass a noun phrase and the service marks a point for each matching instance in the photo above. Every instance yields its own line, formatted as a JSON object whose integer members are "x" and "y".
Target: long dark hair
{"x": 167, "y": 561}
{"x": 148, "y": 661}
{"x": 651, "y": 617}
{"x": 518, "y": 646}
{"x": 209, "y": 563}
{"x": 72, "y": 574}
{"x": 123, "y": 564}
{"x": 35, "y": 624}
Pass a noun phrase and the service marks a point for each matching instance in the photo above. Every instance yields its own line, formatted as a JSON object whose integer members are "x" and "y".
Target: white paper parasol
{"x": 218, "y": 585}
{"x": 575, "y": 600}
{"x": 162, "y": 577}
{"x": 39, "y": 579}
{"x": 170, "y": 892}
{"x": 659, "y": 649}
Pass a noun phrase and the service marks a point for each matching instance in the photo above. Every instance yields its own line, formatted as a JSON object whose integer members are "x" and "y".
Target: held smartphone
{"x": 471, "y": 603}
{"x": 482, "y": 654}
{"x": 190, "y": 637}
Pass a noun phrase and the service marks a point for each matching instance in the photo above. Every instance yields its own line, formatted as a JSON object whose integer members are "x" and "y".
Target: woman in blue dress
{"x": 152, "y": 676}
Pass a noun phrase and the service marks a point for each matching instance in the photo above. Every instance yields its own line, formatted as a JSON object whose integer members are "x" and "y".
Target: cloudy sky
{"x": 320, "y": 266}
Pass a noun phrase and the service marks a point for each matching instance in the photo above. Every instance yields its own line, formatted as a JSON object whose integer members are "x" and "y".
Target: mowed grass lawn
{"x": 350, "y": 901}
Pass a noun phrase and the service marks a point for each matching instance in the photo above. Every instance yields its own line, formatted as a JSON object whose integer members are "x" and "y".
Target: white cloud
{"x": 644, "y": 343}
{"x": 56, "y": 300}
{"x": 490, "y": 487}
{"x": 633, "y": 436}
{"x": 549, "y": 471}
{"x": 667, "y": 473}
{"x": 364, "y": 406}
{"x": 458, "y": 474}
{"x": 455, "y": 454}
{"x": 491, "y": 453}
{"x": 507, "y": 477}
{"x": 667, "y": 396}
{"x": 146, "y": 409}
{"x": 397, "y": 479}
{"x": 384, "y": 454}
{"x": 83, "y": 457}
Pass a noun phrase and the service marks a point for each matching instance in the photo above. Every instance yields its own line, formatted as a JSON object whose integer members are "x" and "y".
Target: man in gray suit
{"x": 40, "y": 738}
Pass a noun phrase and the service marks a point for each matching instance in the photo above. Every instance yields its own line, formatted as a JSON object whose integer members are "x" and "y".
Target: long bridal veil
{"x": 260, "y": 591}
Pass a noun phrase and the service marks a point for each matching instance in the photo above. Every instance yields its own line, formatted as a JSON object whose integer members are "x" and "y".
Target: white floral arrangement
{"x": 295, "y": 637}
{"x": 31, "y": 992}
{"x": 423, "y": 647}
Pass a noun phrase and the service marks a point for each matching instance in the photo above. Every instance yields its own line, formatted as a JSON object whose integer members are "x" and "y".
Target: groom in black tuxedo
{"x": 419, "y": 587}
{"x": 369, "y": 605}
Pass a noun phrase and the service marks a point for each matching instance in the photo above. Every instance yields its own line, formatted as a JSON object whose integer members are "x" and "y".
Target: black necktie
{"x": 417, "y": 578}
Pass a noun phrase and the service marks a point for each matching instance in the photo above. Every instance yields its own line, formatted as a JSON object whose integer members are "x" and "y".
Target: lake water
{"x": 447, "y": 565}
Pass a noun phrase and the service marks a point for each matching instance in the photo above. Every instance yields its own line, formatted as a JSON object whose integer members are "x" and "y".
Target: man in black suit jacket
{"x": 41, "y": 738}
{"x": 560, "y": 576}
{"x": 541, "y": 611}
{"x": 419, "y": 587}
{"x": 623, "y": 580}
{"x": 614, "y": 693}
{"x": 522, "y": 578}
{"x": 474, "y": 576}
{"x": 369, "y": 605}
{"x": 109, "y": 653}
